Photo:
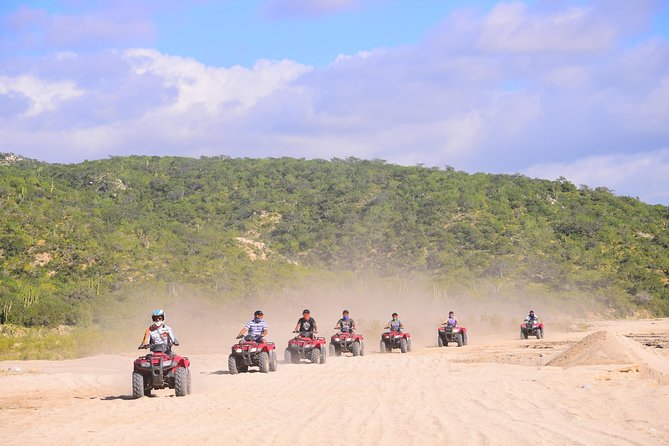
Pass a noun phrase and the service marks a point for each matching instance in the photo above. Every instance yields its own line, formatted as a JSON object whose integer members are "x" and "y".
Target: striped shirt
{"x": 256, "y": 328}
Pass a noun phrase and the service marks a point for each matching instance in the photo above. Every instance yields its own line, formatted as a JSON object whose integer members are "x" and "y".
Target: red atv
{"x": 532, "y": 328}
{"x": 343, "y": 342}
{"x": 248, "y": 353}
{"x": 395, "y": 339}
{"x": 304, "y": 346}
{"x": 158, "y": 370}
{"x": 449, "y": 333}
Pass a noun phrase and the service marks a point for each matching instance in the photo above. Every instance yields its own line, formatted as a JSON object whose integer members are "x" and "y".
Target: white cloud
{"x": 511, "y": 27}
{"x": 227, "y": 90}
{"x": 42, "y": 95}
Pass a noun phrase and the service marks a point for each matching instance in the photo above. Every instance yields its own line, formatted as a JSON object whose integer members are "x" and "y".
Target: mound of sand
{"x": 607, "y": 348}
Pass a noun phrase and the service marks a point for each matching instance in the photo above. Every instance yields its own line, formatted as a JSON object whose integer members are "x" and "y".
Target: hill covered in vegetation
{"x": 72, "y": 236}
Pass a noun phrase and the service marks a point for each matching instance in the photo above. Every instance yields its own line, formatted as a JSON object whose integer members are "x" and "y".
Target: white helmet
{"x": 158, "y": 317}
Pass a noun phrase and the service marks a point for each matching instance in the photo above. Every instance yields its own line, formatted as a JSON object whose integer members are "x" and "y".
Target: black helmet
{"x": 305, "y": 311}
{"x": 345, "y": 312}
{"x": 394, "y": 314}
{"x": 258, "y": 313}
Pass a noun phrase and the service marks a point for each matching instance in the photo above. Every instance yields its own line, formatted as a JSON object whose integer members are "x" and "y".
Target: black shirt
{"x": 306, "y": 325}
{"x": 346, "y": 325}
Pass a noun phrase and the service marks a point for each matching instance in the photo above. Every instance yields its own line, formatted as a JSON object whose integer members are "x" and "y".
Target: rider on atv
{"x": 345, "y": 324}
{"x": 451, "y": 321}
{"x": 532, "y": 317}
{"x": 306, "y": 325}
{"x": 256, "y": 328}
{"x": 395, "y": 324}
{"x": 159, "y": 333}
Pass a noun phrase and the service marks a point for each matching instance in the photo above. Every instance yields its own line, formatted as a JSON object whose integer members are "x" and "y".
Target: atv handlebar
{"x": 143, "y": 346}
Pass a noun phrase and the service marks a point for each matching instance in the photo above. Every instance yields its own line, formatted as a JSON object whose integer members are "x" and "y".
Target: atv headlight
{"x": 168, "y": 363}
{"x": 145, "y": 364}
{"x": 238, "y": 350}
{"x": 253, "y": 350}
{"x": 337, "y": 339}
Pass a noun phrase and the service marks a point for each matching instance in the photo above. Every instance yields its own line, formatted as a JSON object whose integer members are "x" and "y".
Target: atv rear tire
{"x": 333, "y": 349}
{"x": 190, "y": 384}
{"x": 272, "y": 361}
{"x": 355, "y": 348}
{"x": 459, "y": 340}
{"x": 403, "y": 345}
{"x": 263, "y": 362}
{"x": 181, "y": 381}
{"x": 382, "y": 347}
{"x": 315, "y": 355}
{"x": 440, "y": 342}
{"x": 137, "y": 385}
{"x": 232, "y": 365}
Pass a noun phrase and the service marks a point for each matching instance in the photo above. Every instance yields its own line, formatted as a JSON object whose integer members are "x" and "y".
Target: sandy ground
{"x": 610, "y": 386}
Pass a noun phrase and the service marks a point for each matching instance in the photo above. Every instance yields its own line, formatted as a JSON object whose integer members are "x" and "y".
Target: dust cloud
{"x": 208, "y": 323}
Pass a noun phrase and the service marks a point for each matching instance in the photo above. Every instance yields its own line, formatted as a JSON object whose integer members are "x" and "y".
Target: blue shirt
{"x": 256, "y": 328}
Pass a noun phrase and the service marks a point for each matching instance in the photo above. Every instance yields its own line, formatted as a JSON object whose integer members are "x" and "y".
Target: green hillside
{"x": 73, "y": 237}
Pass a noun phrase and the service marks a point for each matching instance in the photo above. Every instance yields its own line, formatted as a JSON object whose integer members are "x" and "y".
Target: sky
{"x": 545, "y": 88}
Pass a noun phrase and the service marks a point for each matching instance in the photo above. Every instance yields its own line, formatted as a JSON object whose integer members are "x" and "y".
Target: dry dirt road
{"x": 609, "y": 389}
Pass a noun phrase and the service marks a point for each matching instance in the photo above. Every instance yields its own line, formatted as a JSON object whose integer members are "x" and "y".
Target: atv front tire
{"x": 440, "y": 342}
{"x": 459, "y": 340}
{"x": 409, "y": 345}
{"x": 263, "y": 362}
{"x": 355, "y": 348}
{"x": 540, "y": 333}
{"x": 232, "y": 365}
{"x": 315, "y": 355}
{"x": 464, "y": 339}
{"x": 382, "y": 347}
{"x": 181, "y": 381}
{"x": 137, "y": 385}
{"x": 323, "y": 355}
{"x": 272, "y": 361}
{"x": 362, "y": 348}
{"x": 523, "y": 335}
{"x": 333, "y": 349}
{"x": 403, "y": 345}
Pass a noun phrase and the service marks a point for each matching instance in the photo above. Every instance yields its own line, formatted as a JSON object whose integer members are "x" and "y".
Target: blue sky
{"x": 546, "y": 88}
